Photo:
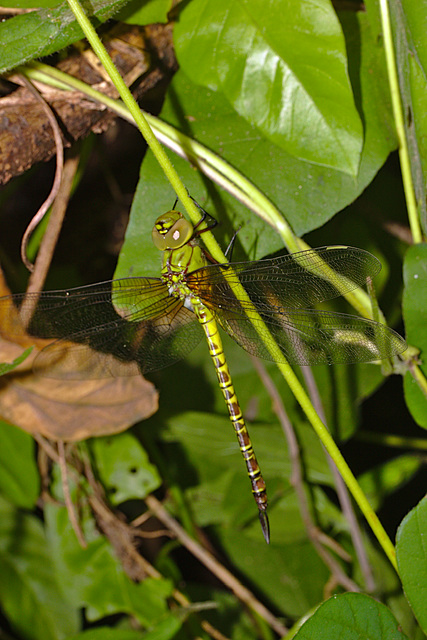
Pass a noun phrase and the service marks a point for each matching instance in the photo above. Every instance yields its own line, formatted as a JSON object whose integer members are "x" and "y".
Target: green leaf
{"x": 209, "y": 437}
{"x": 167, "y": 628}
{"x": 309, "y": 195}
{"x": 287, "y": 77}
{"x": 148, "y": 12}
{"x": 352, "y": 616}
{"x": 7, "y": 368}
{"x": 29, "y": 4}
{"x": 415, "y": 316}
{"x": 163, "y": 630}
{"x": 388, "y": 477}
{"x": 124, "y": 467}
{"x": 31, "y": 596}
{"x": 291, "y": 575}
{"x": 93, "y": 577}
{"x": 107, "y": 633}
{"x": 19, "y": 476}
{"x": 220, "y": 493}
{"x": 411, "y": 554}
{"x": 40, "y": 33}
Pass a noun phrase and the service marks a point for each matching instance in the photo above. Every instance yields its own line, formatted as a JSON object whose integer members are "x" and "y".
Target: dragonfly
{"x": 147, "y": 323}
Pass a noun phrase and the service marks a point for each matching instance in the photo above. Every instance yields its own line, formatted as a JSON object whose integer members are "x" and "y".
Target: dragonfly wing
{"x": 296, "y": 280}
{"x": 120, "y": 327}
{"x": 309, "y": 337}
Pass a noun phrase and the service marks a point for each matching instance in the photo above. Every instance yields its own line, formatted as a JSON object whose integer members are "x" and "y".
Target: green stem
{"x": 134, "y": 109}
{"x": 396, "y": 100}
{"x": 389, "y": 440}
{"x": 342, "y": 466}
{"x": 214, "y": 249}
{"x": 419, "y": 377}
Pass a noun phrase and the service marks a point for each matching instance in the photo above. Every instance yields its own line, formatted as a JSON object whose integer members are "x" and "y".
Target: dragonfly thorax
{"x": 179, "y": 260}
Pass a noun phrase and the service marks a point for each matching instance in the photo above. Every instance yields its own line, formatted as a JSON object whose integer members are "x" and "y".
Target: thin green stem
{"x": 419, "y": 377}
{"x": 214, "y": 249}
{"x": 345, "y": 471}
{"x": 390, "y": 440}
{"x": 405, "y": 161}
{"x": 134, "y": 109}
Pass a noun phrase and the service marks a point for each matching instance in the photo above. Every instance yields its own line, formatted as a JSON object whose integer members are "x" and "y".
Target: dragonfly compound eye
{"x": 171, "y": 231}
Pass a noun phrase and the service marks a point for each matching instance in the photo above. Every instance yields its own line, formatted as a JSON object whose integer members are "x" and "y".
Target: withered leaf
{"x": 69, "y": 409}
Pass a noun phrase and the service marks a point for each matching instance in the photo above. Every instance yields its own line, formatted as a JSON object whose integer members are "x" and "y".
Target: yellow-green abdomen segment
{"x": 213, "y": 337}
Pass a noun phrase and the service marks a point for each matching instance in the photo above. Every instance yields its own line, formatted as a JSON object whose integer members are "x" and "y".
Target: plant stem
{"x": 345, "y": 471}
{"x": 134, "y": 109}
{"x": 390, "y": 440}
{"x": 396, "y": 100}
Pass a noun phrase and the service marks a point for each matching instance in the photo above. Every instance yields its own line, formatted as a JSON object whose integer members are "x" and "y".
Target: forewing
{"x": 116, "y": 328}
{"x": 292, "y": 281}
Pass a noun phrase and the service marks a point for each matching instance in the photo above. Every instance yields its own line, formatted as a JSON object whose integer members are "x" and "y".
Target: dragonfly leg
{"x": 254, "y": 472}
{"x": 211, "y": 222}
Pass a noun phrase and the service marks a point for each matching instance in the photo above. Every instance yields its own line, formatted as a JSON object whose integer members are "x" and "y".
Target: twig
{"x": 297, "y": 480}
{"x": 58, "y": 173}
{"x": 209, "y": 561}
{"x": 50, "y": 238}
{"x": 343, "y": 496}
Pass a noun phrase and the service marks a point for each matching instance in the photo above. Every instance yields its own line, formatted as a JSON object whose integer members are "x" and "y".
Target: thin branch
{"x": 209, "y": 561}
{"x": 297, "y": 481}
{"x": 58, "y": 172}
{"x": 50, "y": 238}
{"x": 343, "y": 495}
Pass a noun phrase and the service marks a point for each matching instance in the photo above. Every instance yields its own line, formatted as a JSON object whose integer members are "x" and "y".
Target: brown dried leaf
{"x": 67, "y": 409}
{"x": 74, "y": 409}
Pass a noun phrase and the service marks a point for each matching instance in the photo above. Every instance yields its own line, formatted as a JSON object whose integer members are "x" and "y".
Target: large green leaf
{"x": 415, "y": 316}
{"x": 282, "y": 65}
{"x": 107, "y": 633}
{"x": 308, "y": 194}
{"x": 145, "y": 12}
{"x": 291, "y": 575}
{"x": 352, "y": 616}
{"x": 206, "y": 458}
{"x": 412, "y": 559}
{"x": 19, "y": 476}
{"x": 31, "y": 594}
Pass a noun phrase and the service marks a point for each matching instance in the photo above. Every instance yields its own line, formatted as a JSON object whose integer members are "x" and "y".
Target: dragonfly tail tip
{"x": 265, "y": 525}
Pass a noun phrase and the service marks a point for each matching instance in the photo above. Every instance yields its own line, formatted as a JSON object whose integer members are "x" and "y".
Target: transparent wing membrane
{"x": 133, "y": 325}
{"x": 292, "y": 281}
{"x": 310, "y": 337}
{"x": 116, "y": 328}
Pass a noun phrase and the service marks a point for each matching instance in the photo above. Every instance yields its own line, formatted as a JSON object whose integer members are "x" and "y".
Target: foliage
{"x": 294, "y": 95}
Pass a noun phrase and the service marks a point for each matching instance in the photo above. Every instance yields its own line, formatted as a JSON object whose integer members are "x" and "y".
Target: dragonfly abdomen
{"x": 210, "y": 328}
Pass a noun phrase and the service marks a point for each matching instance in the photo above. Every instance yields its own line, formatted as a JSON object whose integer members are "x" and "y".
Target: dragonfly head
{"x": 171, "y": 231}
